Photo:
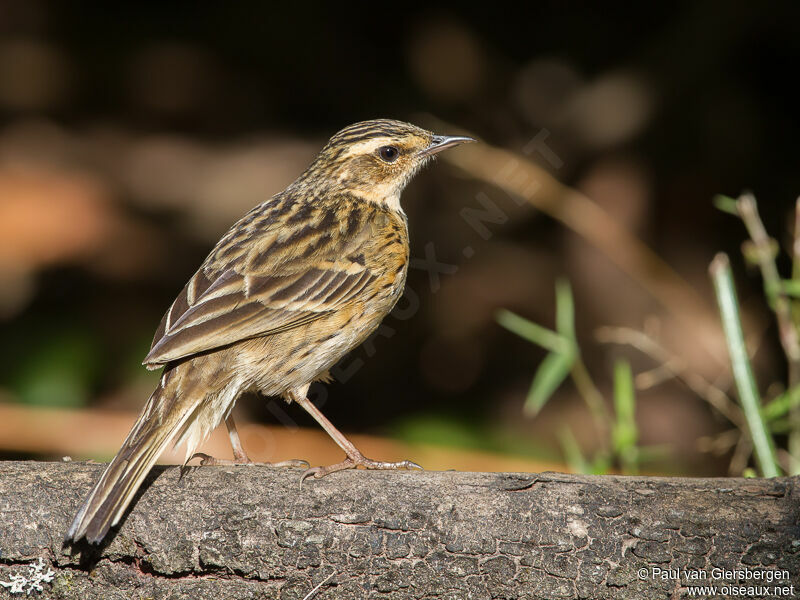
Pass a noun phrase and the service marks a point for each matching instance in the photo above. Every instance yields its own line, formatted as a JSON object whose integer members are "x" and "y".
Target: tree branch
{"x": 255, "y": 532}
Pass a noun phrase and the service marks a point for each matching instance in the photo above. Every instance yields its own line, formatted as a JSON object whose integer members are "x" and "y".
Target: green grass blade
{"x": 779, "y": 406}
{"x": 791, "y": 287}
{"x": 625, "y": 432}
{"x": 763, "y": 443}
{"x": 551, "y": 373}
{"x": 528, "y": 330}
{"x": 601, "y": 464}
{"x": 565, "y": 310}
{"x": 572, "y": 452}
{"x": 726, "y": 204}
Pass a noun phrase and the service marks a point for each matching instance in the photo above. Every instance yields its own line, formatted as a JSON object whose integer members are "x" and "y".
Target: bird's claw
{"x": 206, "y": 460}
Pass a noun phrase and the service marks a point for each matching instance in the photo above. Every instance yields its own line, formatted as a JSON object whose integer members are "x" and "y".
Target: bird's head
{"x": 376, "y": 159}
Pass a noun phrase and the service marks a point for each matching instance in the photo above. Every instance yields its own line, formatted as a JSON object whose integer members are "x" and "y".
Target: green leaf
{"x": 781, "y": 426}
{"x": 726, "y": 204}
{"x": 565, "y": 310}
{"x": 624, "y": 397}
{"x": 572, "y": 452}
{"x": 791, "y": 287}
{"x": 782, "y": 404}
{"x": 557, "y": 365}
{"x": 551, "y": 373}
{"x": 541, "y": 336}
{"x": 601, "y": 465}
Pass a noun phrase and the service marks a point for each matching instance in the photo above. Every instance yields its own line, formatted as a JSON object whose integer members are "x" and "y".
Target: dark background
{"x": 133, "y": 134}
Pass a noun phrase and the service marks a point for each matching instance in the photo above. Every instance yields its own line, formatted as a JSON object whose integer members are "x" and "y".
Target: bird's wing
{"x": 262, "y": 291}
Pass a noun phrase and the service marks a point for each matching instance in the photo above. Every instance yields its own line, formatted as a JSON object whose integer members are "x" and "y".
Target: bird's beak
{"x": 443, "y": 142}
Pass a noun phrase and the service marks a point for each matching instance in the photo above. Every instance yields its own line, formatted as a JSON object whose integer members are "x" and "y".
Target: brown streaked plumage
{"x": 294, "y": 285}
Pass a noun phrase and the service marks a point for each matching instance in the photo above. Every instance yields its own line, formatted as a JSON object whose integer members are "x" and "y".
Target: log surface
{"x": 254, "y": 532}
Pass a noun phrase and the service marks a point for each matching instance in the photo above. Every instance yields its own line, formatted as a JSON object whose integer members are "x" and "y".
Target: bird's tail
{"x": 170, "y": 412}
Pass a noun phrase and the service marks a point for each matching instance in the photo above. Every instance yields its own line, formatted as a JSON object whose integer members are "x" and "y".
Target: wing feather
{"x": 221, "y": 306}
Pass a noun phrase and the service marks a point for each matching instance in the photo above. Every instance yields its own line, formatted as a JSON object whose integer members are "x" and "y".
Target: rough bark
{"x": 254, "y": 532}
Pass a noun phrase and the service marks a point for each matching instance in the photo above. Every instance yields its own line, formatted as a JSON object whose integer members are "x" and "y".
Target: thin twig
{"x": 654, "y": 377}
{"x": 748, "y": 211}
{"x": 319, "y": 585}
{"x": 720, "y": 443}
{"x": 741, "y": 454}
{"x": 778, "y": 301}
{"x": 675, "y": 365}
{"x": 594, "y": 399}
{"x": 784, "y": 459}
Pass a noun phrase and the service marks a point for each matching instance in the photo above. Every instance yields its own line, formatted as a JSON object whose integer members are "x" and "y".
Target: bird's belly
{"x": 293, "y": 358}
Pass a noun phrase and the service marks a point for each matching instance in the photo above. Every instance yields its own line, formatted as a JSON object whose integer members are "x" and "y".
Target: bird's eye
{"x": 388, "y": 153}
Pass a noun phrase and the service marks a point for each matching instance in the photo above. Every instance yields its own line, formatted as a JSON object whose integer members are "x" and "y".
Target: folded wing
{"x": 218, "y": 307}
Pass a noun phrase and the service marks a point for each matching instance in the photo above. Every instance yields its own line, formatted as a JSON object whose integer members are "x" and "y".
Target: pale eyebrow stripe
{"x": 367, "y": 146}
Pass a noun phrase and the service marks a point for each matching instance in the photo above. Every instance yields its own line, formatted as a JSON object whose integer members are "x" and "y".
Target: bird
{"x": 294, "y": 285}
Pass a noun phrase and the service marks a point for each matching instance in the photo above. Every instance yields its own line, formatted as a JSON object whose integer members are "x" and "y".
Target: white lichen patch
{"x": 577, "y": 528}
{"x": 32, "y": 582}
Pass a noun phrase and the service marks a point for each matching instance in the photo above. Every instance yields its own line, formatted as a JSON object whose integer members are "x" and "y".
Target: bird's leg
{"x": 239, "y": 455}
{"x": 354, "y": 457}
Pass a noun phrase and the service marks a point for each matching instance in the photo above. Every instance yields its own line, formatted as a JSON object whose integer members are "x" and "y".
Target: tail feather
{"x": 112, "y": 494}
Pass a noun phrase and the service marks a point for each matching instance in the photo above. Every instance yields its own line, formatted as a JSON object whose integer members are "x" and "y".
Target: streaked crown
{"x": 375, "y": 159}
{"x": 377, "y": 128}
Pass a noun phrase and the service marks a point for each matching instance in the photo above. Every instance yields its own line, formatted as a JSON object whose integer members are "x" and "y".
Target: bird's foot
{"x": 353, "y": 462}
{"x": 207, "y": 460}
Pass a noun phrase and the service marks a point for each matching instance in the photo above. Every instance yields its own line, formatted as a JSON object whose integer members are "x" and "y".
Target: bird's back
{"x": 288, "y": 267}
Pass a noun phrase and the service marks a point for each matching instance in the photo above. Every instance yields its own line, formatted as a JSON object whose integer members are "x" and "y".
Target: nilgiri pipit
{"x": 297, "y": 283}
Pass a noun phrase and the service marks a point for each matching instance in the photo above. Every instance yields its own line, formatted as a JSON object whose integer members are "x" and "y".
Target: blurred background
{"x": 133, "y": 135}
